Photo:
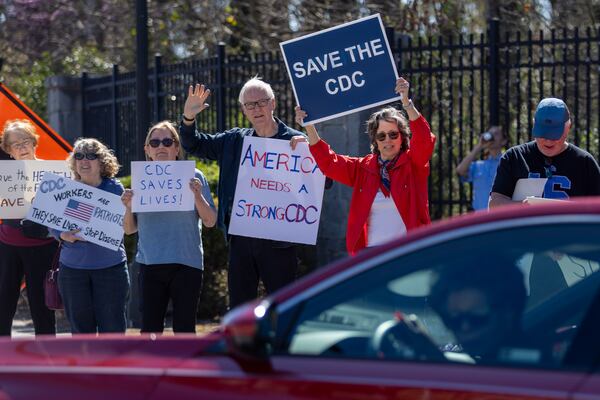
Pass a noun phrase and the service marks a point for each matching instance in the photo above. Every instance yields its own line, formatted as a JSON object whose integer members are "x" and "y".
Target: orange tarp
{"x": 51, "y": 145}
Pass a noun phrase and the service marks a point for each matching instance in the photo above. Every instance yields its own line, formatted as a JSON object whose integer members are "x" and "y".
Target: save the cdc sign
{"x": 342, "y": 69}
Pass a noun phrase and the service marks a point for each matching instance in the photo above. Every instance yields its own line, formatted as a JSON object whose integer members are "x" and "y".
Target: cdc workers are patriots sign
{"x": 342, "y": 69}
{"x": 64, "y": 204}
{"x": 279, "y": 192}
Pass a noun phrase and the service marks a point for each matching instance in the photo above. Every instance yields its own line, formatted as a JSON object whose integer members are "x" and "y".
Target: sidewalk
{"x": 23, "y": 325}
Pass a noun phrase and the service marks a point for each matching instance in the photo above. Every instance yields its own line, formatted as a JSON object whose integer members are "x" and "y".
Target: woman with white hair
{"x": 250, "y": 259}
{"x": 26, "y": 251}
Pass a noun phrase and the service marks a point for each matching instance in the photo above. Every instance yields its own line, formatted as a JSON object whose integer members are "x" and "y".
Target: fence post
{"x": 221, "y": 112}
{"x": 113, "y": 108}
{"x": 141, "y": 78}
{"x": 156, "y": 88}
{"x": 84, "y": 76}
{"x": 493, "y": 71}
{"x": 390, "y": 35}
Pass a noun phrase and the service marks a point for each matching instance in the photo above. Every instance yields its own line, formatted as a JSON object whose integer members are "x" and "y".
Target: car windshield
{"x": 548, "y": 278}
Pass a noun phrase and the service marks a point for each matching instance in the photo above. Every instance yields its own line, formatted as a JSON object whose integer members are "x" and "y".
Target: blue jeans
{"x": 95, "y": 299}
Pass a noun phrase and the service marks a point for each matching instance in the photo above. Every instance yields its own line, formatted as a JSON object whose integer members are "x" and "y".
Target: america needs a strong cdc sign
{"x": 341, "y": 70}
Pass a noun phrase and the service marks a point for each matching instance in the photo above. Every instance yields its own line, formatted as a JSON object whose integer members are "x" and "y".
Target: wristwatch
{"x": 188, "y": 119}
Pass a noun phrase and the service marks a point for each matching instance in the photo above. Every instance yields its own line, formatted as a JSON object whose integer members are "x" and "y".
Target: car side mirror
{"x": 249, "y": 330}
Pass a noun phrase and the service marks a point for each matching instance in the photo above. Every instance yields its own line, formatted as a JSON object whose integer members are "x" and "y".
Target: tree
{"x": 40, "y": 38}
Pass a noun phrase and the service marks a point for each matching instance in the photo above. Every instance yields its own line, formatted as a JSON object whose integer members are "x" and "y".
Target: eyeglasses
{"x": 251, "y": 105}
{"x": 167, "y": 142}
{"x": 87, "y": 156}
{"x": 23, "y": 144}
{"x": 393, "y": 135}
{"x": 474, "y": 320}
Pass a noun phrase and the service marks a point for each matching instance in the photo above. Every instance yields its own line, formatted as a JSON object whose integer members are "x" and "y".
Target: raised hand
{"x": 402, "y": 87}
{"x": 311, "y": 131}
{"x": 300, "y": 115}
{"x": 196, "y": 101}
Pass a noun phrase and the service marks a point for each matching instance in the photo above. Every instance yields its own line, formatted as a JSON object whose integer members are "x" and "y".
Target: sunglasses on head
{"x": 393, "y": 135}
{"x": 88, "y": 156}
{"x": 167, "y": 142}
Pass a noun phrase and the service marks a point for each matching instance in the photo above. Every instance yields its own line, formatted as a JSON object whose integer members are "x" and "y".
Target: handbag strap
{"x": 55, "y": 261}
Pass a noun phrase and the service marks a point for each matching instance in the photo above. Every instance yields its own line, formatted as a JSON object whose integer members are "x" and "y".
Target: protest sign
{"x": 279, "y": 192}
{"x": 19, "y": 180}
{"x": 341, "y": 70}
{"x": 162, "y": 185}
{"x": 64, "y": 204}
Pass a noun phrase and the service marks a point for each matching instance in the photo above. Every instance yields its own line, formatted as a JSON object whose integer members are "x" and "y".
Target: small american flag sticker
{"x": 79, "y": 210}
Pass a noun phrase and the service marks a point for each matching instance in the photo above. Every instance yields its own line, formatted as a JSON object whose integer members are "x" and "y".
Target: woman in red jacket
{"x": 390, "y": 185}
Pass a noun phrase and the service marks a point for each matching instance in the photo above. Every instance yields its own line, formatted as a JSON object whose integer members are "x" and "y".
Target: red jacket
{"x": 408, "y": 180}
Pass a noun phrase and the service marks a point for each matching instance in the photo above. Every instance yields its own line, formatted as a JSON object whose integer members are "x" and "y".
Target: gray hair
{"x": 256, "y": 83}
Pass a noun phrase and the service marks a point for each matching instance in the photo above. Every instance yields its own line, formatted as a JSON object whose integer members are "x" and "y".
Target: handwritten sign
{"x": 162, "y": 186}
{"x": 19, "y": 180}
{"x": 64, "y": 204}
{"x": 279, "y": 192}
{"x": 341, "y": 70}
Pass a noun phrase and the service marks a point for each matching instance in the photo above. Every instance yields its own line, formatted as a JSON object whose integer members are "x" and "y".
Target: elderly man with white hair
{"x": 250, "y": 259}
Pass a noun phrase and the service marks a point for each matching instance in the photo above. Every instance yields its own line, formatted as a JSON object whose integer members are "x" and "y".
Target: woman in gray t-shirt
{"x": 170, "y": 243}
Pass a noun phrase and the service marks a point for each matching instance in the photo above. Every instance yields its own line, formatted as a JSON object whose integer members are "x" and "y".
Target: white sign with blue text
{"x": 65, "y": 205}
{"x": 162, "y": 186}
{"x": 20, "y": 179}
{"x": 279, "y": 192}
{"x": 341, "y": 70}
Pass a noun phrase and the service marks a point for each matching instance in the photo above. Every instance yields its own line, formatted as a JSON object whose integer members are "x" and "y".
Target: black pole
{"x": 221, "y": 87}
{"x": 141, "y": 76}
{"x": 494, "y": 57}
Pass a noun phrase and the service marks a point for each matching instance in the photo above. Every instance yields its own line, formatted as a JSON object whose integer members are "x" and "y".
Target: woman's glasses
{"x": 23, "y": 144}
{"x": 393, "y": 135}
{"x": 87, "y": 156}
{"x": 167, "y": 142}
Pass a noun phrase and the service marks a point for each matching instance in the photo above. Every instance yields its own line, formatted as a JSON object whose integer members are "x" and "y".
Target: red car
{"x": 499, "y": 305}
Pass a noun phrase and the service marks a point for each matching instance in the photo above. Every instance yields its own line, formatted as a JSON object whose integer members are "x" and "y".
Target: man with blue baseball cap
{"x": 569, "y": 170}
{"x": 551, "y": 116}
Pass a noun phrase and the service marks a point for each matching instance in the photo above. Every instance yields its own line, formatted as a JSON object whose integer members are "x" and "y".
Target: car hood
{"x": 145, "y": 351}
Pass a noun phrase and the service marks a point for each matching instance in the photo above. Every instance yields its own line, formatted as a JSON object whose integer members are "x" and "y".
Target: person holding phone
{"x": 481, "y": 173}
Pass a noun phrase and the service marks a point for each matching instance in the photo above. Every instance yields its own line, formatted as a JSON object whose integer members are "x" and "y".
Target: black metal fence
{"x": 462, "y": 85}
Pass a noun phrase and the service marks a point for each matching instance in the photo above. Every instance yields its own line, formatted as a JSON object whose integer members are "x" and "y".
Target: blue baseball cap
{"x": 550, "y": 118}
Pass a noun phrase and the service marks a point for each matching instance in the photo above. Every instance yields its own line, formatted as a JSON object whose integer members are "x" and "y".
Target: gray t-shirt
{"x": 172, "y": 237}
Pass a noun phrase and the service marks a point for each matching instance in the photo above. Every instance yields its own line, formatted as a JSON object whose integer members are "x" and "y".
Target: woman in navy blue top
{"x": 93, "y": 280}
